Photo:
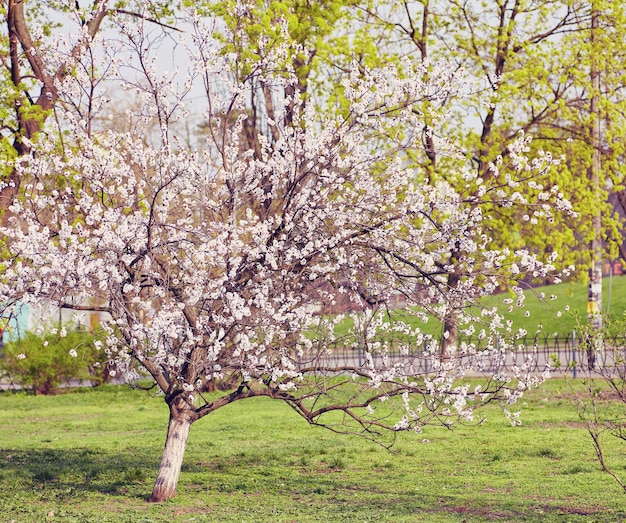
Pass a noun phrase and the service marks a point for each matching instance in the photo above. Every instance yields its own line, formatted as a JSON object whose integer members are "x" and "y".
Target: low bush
{"x": 43, "y": 361}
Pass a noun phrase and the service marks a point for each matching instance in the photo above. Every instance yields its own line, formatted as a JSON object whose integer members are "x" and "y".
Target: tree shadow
{"x": 128, "y": 471}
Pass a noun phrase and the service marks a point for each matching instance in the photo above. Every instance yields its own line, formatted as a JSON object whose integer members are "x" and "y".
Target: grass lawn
{"x": 561, "y": 315}
{"x": 572, "y": 296}
{"x": 92, "y": 454}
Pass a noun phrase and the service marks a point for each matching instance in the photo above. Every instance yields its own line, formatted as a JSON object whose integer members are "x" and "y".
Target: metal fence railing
{"x": 571, "y": 354}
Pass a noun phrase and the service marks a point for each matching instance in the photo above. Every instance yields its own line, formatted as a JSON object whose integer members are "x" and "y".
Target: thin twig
{"x": 147, "y": 19}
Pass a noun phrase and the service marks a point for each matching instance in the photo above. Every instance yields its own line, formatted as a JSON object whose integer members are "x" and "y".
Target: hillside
{"x": 568, "y": 311}
{"x": 562, "y": 309}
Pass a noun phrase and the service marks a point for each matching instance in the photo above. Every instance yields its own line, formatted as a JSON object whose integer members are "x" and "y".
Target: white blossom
{"x": 242, "y": 261}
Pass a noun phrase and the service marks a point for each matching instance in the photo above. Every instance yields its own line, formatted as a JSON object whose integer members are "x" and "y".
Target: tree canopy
{"x": 221, "y": 265}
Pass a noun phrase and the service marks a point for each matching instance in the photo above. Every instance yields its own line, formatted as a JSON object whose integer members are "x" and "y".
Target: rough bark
{"x": 450, "y": 342}
{"x": 594, "y": 304}
{"x": 450, "y": 339}
{"x": 172, "y": 459}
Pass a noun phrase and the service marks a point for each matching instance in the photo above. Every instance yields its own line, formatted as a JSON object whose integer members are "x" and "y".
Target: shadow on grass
{"x": 80, "y": 470}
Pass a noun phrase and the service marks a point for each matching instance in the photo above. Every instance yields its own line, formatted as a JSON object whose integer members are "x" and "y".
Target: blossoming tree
{"x": 226, "y": 264}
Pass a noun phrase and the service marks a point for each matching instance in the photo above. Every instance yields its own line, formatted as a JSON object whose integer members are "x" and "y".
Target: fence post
{"x": 574, "y": 351}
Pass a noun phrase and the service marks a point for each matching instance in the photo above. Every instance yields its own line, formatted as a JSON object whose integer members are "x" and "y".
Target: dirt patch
{"x": 579, "y": 511}
{"x": 190, "y": 511}
{"x": 503, "y": 516}
{"x": 601, "y": 395}
{"x": 570, "y": 509}
{"x": 508, "y": 516}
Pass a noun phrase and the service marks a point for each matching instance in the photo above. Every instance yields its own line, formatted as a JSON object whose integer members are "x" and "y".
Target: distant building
{"x": 29, "y": 318}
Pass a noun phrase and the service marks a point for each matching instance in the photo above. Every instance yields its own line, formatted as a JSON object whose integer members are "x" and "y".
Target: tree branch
{"x": 146, "y": 18}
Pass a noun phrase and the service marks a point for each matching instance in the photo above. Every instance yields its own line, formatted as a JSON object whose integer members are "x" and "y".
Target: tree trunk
{"x": 594, "y": 303}
{"x": 450, "y": 338}
{"x": 172, "y": 459}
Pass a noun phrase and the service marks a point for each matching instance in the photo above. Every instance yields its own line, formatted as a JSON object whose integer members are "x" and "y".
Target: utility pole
{"x": 594, "y": 303}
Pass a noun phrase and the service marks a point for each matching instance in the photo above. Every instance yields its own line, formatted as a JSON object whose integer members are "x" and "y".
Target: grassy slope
{"x": 549, "y": 316}
{"x": 91, "y": 456}
{"x": 572, "y": 296}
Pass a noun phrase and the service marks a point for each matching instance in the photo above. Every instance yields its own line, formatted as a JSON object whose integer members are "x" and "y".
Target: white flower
{"x": 21, "y": 356}
{"x": 73, "y": 353}
{"x": 403, "y": 424}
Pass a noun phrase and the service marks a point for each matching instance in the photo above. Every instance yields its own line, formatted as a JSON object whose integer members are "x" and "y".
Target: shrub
{"x": 44, "y": 361}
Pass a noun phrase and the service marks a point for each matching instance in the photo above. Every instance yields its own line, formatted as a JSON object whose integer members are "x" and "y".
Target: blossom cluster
{"x": 227, "y": 262}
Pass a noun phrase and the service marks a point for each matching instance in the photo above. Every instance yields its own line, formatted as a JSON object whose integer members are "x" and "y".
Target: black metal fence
{"x": 571, "y": 354}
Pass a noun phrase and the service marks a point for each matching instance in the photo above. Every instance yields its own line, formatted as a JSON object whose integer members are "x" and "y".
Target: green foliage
{"x": 317, "y": 31}
{"x": 536, "y": 56}
{"x": 529, "y": 68}
{"x": 43, "y": 362}
{"x": 7, "y": 157}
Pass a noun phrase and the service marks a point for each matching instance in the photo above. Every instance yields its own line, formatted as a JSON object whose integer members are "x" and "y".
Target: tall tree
{"x": 531, "y": 66}
{"x": 223, "y": 264}
{"x": 594, "y": 309}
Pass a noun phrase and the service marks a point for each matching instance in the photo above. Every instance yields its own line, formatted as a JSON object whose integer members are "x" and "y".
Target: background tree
{"x": 533, "y": 61}
{"x": 37, "y": 59}
{"x": 224, "y": 263}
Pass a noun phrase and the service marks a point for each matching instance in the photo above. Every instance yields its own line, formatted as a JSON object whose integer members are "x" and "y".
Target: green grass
{"x": 92, "y": 454}
{"x": 550, "y": 317}
{"x": 572, "y": 296}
